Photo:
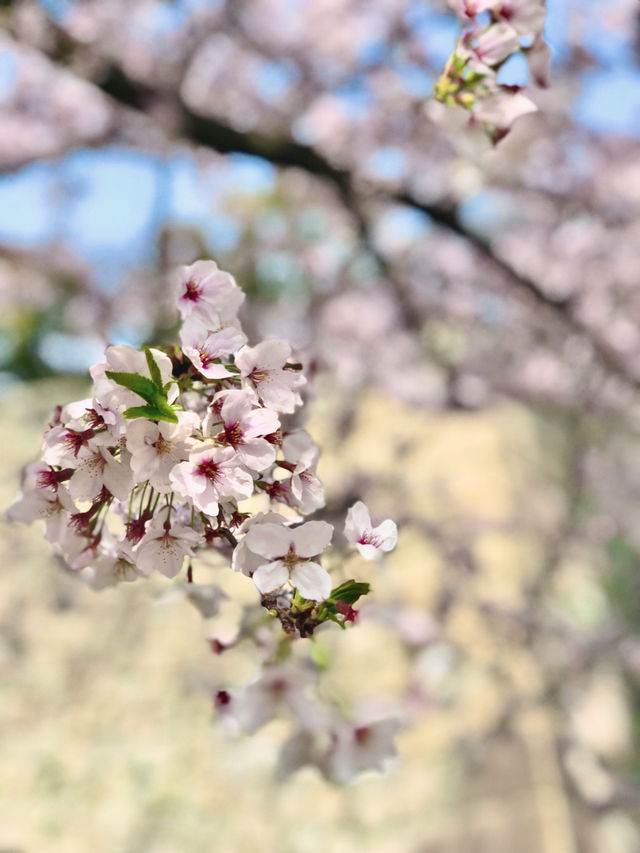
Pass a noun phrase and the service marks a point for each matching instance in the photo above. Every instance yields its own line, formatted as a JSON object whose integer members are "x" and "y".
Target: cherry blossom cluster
{"x": 494, "y": 30}
{"x": 184, "y": 450}
{"x": 195, "y": 449}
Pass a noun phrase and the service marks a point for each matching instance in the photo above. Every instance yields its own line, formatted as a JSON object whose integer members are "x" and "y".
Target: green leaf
{"x": 157, "y": 408}
{"x": 140, "y": 385}
{"x": 350, "y": 591}
{"x": 154, "y": 370}
{"x": 151, "y": 413}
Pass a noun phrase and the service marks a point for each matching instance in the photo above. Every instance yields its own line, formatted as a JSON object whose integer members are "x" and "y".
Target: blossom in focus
{"x": 244, "y": 559}
{"x": 164, "y": 547}
{"x": 209, "y": 475}
{"x": 369, "y": 540}
{"x": 244, "y": 427}
{"x": 288, "y": 552}
{"x": 205, "y": 348}
{"x": 157, "y": 447}
{"x": 303, "y": 454}
{"x": 97, "y": 467}
{"x": 263, "y": 372}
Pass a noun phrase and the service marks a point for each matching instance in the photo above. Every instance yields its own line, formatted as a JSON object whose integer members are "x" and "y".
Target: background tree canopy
{"x": 472, "y": 314}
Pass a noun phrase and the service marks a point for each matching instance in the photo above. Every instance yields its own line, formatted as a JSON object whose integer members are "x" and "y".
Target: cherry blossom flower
{"x": 126, "y": 493}
{"x": 289, "y": 552}
{"x": 244, "y": 427}
{"x": 43, "y": 498}
{"x": 303, "y": 453}
{"x": 244, "y": 560}
{"x": 369, "y": 540}
{"x": 97, "y": 467}
{"x": 61, "y": 444}
{"x": 165, "y": 546}
{"x": 157, "y": 447}
{"x": 116, "y": 562}
{"x": 209, "y": 475}
{"x": 491, "y": 45}
{"x": 205, "y": 348}
{"x": 208, "y": 295}
{"x": 367, "y": 746}
{"x": 263, "y": 372}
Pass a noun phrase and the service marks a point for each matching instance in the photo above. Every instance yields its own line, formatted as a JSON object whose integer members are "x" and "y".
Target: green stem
{"x": 144, "y": 489}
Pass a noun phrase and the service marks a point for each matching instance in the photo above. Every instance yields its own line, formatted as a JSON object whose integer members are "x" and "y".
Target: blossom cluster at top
{"x": 159, "y": 463}
{"x": 494, "y": 31}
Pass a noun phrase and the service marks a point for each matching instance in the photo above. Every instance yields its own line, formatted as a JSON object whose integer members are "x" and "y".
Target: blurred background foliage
{"x": 473, "y": 322}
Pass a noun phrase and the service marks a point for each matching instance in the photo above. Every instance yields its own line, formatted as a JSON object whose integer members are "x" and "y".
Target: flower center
{"x": 222, "y": 698}
{"x": 75, "y": 440}
{"x": 290, "y": 558}
{"x": 233, "y": 434}
{"x": 279, "y": 687}
{"x": 205, "y": 357}
{"x": 368, "y": 538}
{"x": 51, "y": 479}
{"x": 258, "y": 375}
{"x": 362, "y": 734}
{"x": 161, "y": 446}
{"x": 208, "y": 469}
{"x": 192, "y": 291}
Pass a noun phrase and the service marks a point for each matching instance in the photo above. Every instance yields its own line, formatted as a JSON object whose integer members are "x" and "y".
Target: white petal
{"x": 311, "y": 580}
{"x": 117, "y": 478}
{"x": 312, "y": 538}
{"x": 272, "y": 354}
{"x": 369, "y": 552}
{"x": 270, "y": 540}
{"x": 357, "y": 522}
{"x": 164, "y": 554}
{"x": 387, "y": 533}
{"x": 257, "y": 454}
{"x": 270, "y": 576}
